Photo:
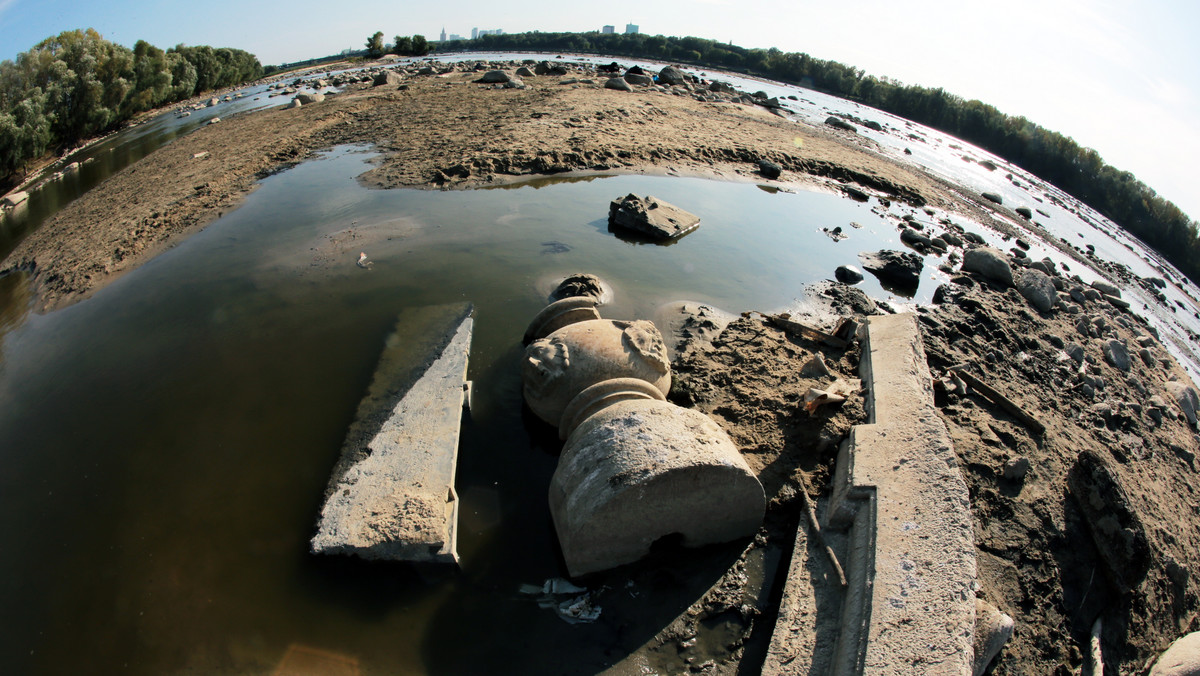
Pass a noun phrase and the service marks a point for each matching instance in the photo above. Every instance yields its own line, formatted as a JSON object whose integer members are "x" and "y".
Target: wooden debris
{"x": 999, "y": 399}
{"x": 815, "y": 527}
{"x": 784, "y": 321}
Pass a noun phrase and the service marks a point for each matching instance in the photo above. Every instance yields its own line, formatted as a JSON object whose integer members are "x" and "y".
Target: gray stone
{"x": 1016, "y": 468}
{"x": 1185, "y": 396}
{"x": 387, "y": 77}
{"x": 992, "y": 197}
{"x": 1181, "y": 658}
{"x": 900, "y": 268}
{"x": 838, "y": 123}
{"x": 1037, "y": 288}
{"x": 1106, "y": 288}
{"x": 1147, "y": 357}
{"x": 495, "y": 77}
{"x": 1116, "y": 354}
{"x": 14, "y": 198}
{"x": 307, "y": 99}
{"x": 1024, "y": 212}
{"x": 1112, "y": 521}
{"x": 671, "y": 76}
{"x": 952, "y": 239}
{"x": 652, "y": 217}
{"x": 848, "y": 274}
{"x": 914, "y": 238}
{"x": 619, "y": 84}
{"x": 514, "y": 83}
{"x": 769, "y": 169}
{"x": 295, "y": 103}
{"x": 990, "y": 263}
{"x": 1117, "y": 302}
{"x": 992, "y": 630}
{"x": 524, "y": 72}
{"x": 392, "y": 495}
{"x": 1074, "y": 351}
{"x": 636, "y": 79}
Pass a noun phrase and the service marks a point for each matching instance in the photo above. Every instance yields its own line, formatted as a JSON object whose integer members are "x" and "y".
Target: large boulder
{"x": 637, "y": 79}
{"x": 387, "y": 77}
{"x": 307, "y": 98}
{"x": 901, "y": 269}
{"x": 14, "y": 198}
{"x": 1112, "y": 521}
{"x": 769, "y": 169}
{"x": 992, "y": 197}
{"x": 990, "y": 263}
{"x": 671, "y": 76}
{"x": 1038, "y": 289}
{"x": 652, "y": 217}
{"x": 495, "y": 77}
{"x": 547, "y": 68}
{"x": 839, "y": 123}
{"x": 1185, "y": 396}
{"x": 1116, "y": 354}
{"x": 848, "y": 274}
{"x": 1182, "y": 658}
{"x": 618, "y": 84}
{"x": 1106, "y": 288}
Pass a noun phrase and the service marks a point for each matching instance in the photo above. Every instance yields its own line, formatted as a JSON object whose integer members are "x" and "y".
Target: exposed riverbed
{"x": 166, "y": 441}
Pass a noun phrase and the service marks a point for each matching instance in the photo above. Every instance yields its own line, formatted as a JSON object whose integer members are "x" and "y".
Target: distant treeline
{"x": 1057, "y": 158}
{"x": 77, "y": 84}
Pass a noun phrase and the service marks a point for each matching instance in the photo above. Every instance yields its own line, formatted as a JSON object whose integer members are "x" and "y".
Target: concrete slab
{"x": 391, "y": 495}
{"x": 652, "y": 217}
{"x": 909, "y": 549}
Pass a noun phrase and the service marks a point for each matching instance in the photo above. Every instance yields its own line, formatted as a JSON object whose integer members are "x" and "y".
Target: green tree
{"x": 420, "y": 46}
{"x": 404, "y": 45}
{"x": 375, "y": 45}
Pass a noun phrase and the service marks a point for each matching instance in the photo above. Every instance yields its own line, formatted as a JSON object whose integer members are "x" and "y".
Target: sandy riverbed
{"x": 1041, "y": 559}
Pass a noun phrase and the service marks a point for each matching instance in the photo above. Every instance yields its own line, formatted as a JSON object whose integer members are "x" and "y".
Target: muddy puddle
{"x": 166, "y": 443}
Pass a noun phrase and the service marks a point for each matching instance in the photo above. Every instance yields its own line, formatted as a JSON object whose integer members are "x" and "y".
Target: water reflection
{"x": 167, "y": 442}
{"x": 16, "y": 300}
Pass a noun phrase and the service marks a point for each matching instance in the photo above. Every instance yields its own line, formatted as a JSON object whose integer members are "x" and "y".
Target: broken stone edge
{"x": 900, "y": 514}
{"x": 340, "y": 527}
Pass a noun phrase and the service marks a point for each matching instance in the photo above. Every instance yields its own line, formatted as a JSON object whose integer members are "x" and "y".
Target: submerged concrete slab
{"x": 908, "y": 548}
{"x": 392, "y": 494}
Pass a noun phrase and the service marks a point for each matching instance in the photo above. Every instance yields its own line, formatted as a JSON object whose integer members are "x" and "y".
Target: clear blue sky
{"x": 1118, "y": 76}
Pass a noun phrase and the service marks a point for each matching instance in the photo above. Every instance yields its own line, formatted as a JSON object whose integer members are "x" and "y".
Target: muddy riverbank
{"x": 441, "y": 131}
{"x": 1116, "y": 446}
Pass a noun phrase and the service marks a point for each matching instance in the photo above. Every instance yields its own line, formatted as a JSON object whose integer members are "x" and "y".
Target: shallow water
{"x": 113, "y": 153}
{"x": 166, "y": 443}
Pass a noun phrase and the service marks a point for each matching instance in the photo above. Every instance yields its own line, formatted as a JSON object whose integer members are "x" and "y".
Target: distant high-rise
{"x": 631, "y": 28}
{"x": 443, "y": 33}
{"x": 474, "y": 33}
{"x": 609, "y": 29}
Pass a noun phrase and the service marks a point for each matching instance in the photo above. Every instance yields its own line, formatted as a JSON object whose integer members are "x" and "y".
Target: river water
{"x": 166, "y": 443}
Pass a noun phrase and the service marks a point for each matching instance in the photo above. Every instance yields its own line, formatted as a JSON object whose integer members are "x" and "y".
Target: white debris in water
{"x": 575, "y": 610}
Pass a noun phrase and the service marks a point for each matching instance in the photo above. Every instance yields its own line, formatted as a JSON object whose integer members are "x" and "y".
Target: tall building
{"x": 631, "y": 28}
{"x": 474, "y": 33}
{"x": 443, "y": 34}
{"x": 609, "y": 29}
